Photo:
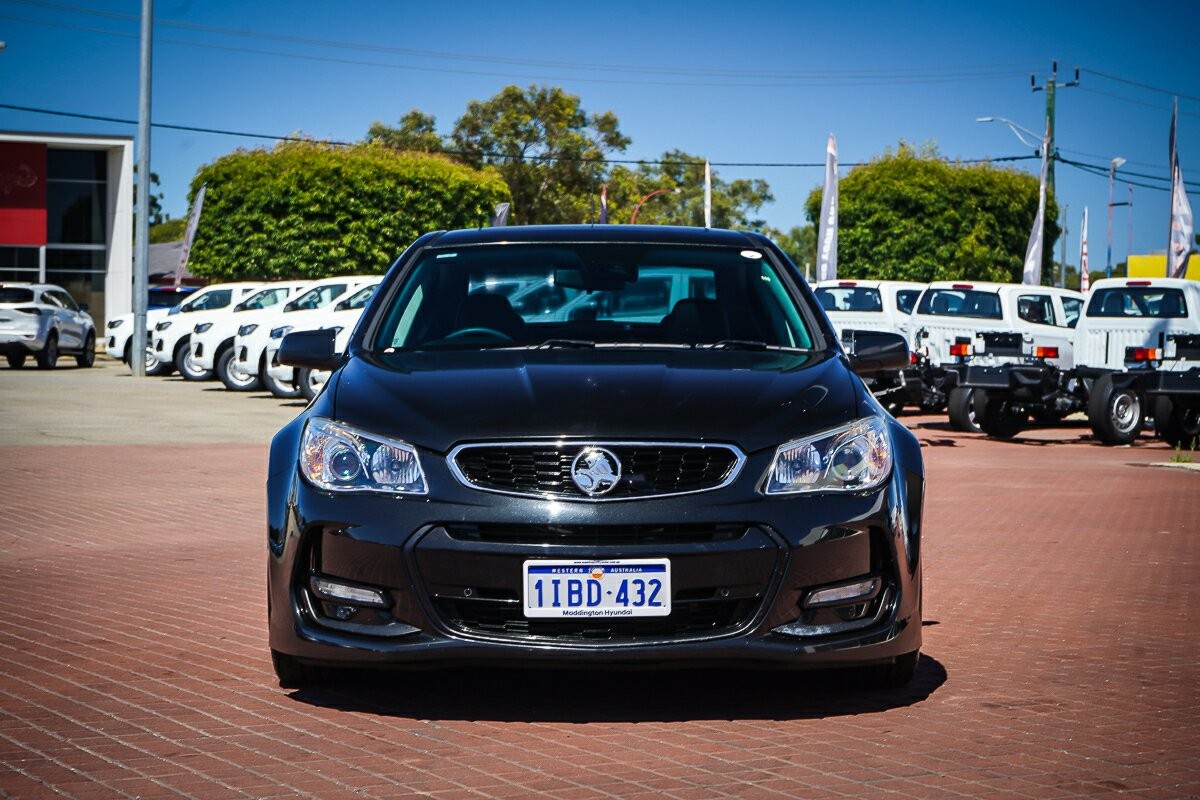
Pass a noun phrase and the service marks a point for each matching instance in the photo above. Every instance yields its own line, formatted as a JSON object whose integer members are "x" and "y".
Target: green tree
{"x": 734, "y": 203}
{"x": 156, "y": 212}
{"x": 547, "y": 148}
{"x": 170, "y": 231}
{"x": 306, "y": 209}
{"x": 800, "y": 244}
{"x": 913, "y": 215}
{"x": 417, "y": 133}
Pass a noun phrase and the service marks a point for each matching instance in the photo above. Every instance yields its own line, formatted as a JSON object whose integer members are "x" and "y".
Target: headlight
{"x": 345, "y": 459}
{"x": 246, "y": 330}
{"x": 281, "y": 331}
{"x": 853, "y": 458}
{"x": 202, "y": 327}
{"x": 113, "y": 324}
{"x": 162, "y": 326}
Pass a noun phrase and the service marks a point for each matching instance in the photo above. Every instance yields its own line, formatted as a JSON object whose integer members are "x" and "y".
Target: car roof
{"x": 640, "y": 234}
{"x": 993, "y": 286}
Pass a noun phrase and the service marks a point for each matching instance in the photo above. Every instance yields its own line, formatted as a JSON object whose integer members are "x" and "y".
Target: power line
{"x": 337, "y": 143}
{"x": 1139, "y": 84}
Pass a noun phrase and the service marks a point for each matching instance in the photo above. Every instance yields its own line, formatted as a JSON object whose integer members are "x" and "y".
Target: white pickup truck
{"x": 963, "y": 331}
{"x": 1137, "y": 356}
{"x": 878, "y": 305}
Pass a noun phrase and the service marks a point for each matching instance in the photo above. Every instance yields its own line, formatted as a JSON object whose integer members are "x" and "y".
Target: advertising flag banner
{"x": 1182, "y": 224}
{"x": 604, "y": 204}
{"x": 828, "y": 223}
{"x": 1032, "y": 273}
{"x": 190, "y": 234}
{"x": 707, "y": 194}
{"x": 1084, "y": 278}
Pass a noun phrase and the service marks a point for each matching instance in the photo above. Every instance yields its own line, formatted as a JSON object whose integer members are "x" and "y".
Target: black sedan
{"x": 595, "y": 446}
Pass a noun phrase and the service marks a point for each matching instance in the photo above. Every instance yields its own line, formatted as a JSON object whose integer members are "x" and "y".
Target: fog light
{"x": 359, "y": 595}
{"x": 842, "y": 594}
{"x": 342, "y": 612}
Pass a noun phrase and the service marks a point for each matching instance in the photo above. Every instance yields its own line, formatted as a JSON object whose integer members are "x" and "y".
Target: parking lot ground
{"x": 1060, "y": 657}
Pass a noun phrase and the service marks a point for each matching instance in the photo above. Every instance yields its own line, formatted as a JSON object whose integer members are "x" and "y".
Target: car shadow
{"x": 513, "y": 695}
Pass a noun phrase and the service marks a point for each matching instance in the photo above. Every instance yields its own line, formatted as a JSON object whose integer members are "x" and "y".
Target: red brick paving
{"x": 1060, "y": 656}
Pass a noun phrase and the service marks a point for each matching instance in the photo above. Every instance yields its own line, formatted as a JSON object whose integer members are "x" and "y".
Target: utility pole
{"x": 1051, "y": 85}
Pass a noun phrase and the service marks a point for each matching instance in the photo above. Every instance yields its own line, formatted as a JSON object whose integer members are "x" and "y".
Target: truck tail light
{"x": 1143, "y": 354}
{"x": 847, "y": 283}
{"x": 1045, "y": 352}
{"x": 912, "y": 357}
{"x": 1137, "y": 283}
{"x": 960, "y": 349}
{"x": 967, "y": 286}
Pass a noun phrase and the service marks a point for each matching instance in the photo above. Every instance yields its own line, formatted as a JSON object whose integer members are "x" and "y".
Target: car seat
{"x": 489, "y": 311}
{"x": 696, "y": 320}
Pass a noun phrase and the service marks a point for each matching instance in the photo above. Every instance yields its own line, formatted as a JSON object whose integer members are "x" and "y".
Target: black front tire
{"x": 48, "y": 356}
{"x": 188, "y": 368}
{"x": 891, "y": 676}
{"x": 311, "y": 381}
{"x": 234, "y": 380}
{"x": 87, "y": 357}
{"x": 962, "y": 408}
{"x": 15, "y": 360}
{"x": 1175, "y": 425}
{"x": 1115, "y": 414}
{"x": 294, "y": 674}
{"x": 998, "y": 419}
{"x": 278, "y": 388}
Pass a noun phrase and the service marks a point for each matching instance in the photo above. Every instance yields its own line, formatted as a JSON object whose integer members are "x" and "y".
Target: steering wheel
{"x": 490, "y": 333}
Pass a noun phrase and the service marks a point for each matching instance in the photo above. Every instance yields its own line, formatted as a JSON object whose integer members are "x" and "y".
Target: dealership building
{"x": 66, "y": 216}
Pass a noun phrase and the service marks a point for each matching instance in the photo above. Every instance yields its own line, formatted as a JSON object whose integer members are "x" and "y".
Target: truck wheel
{"x": 187, "y": 367}
{"x": 311, "y": 381}
{"x": 1115, "y": 414}
{"x": 1178, "y": 427}
{"x": 234, "y": 381}
{"x": 997, "y": 417}
{"x": 962, "y": 407}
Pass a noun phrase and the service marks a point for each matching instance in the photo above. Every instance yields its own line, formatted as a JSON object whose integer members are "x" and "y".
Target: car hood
{"x": 755, "y": 400}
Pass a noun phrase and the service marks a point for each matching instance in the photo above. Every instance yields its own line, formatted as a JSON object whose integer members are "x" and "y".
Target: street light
{"x": 1112, "y": 172}
{"x": 633, "y": 217}
{"x": 1036, "y": 144}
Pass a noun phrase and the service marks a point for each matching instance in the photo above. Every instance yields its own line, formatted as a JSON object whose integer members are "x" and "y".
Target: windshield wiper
{"x": 750, "y": 345}
{"x": 551, "y": 344}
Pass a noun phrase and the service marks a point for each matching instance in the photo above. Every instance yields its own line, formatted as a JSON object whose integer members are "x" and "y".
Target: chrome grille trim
{"x": 574, "y": 445}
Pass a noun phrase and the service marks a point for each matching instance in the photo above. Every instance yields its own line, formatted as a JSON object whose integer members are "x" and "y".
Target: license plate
{"x": 581, "y": 589}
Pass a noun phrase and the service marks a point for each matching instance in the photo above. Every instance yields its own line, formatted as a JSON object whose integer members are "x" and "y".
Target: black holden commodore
{"x": 595, "y": 446}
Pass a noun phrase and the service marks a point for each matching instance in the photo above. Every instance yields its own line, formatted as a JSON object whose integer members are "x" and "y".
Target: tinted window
{"x": 1036, "y": 308}
{"x": 960, "y": 303}
{"x": 906, "y": 299}
{"x": 359, "y": 299}
{"x": 164, "y": 298}
{"x": 1137, "y": 301}
{"x": 515, "y": 295}
{"x": 849, "y": 298}
{"x": 15, "y": 295}
{"x": 316, "y": 297}
{"x": 1072, "y": 307}
{"x": 217, "y": 298}
{"x": 264, "y": 299}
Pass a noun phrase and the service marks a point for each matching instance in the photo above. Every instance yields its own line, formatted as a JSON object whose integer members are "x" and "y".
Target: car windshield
{"x": 316, "y": 297}
{"x": 164, "y": 298}
{"x": 263, "y": 299}
{"x": 588, "y": 295}
{"x": 960, "y": 303}
{"x": 1137, "y": 301}
{"x": 13, "y": 294}
{"x": 359, "y": 299}
{"x": 216, "y": 298}
{"x": 850, "y": 298}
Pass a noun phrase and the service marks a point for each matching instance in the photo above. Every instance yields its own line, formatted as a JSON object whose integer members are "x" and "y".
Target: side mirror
{"x": 312, "y": 349}
{"x": 875, "y": 351}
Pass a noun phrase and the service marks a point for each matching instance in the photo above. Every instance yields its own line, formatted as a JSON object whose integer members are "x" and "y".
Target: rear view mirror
{"x": 313, "y": 349}
{"x": 875, "y": 351}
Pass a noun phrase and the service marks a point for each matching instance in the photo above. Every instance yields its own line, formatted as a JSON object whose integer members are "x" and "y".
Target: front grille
{"x": 596, "y": 535}
{"x": 691, "y": 618}
{"x": 647, "y": 469}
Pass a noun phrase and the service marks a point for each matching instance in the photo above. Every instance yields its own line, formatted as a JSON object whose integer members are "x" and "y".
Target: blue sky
{"x": 761, "y": 82}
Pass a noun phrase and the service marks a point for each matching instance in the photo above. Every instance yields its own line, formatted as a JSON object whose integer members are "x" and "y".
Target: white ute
{"x": 986, "y": 324}
{"x": 171, "y": 338}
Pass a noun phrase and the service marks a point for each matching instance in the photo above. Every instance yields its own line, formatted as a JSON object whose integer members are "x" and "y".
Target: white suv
{"x": 342, "y": 316}
{"x": 982, "y": 325}
{"x": 42, "y": 320}
{"x": 250, "y": 344}
{"x": 877, "y": 305}
{"x": 212, "y": 339}
{"x": 171, "y": 339}
{"x": 159, "y": 302}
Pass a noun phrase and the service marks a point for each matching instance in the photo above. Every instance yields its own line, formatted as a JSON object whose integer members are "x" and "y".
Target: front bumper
{"x": 449, "y": 566}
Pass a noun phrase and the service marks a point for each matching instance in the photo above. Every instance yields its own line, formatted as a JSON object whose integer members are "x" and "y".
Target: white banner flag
{"x": 707, "y": 194}
{"x": 828, "y": 223}
{"x": 1032, "y": 274}
{"x": 190, "y": 234}
{"x": 1084, "y": 277}
{"x": 1180, "y": 244}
